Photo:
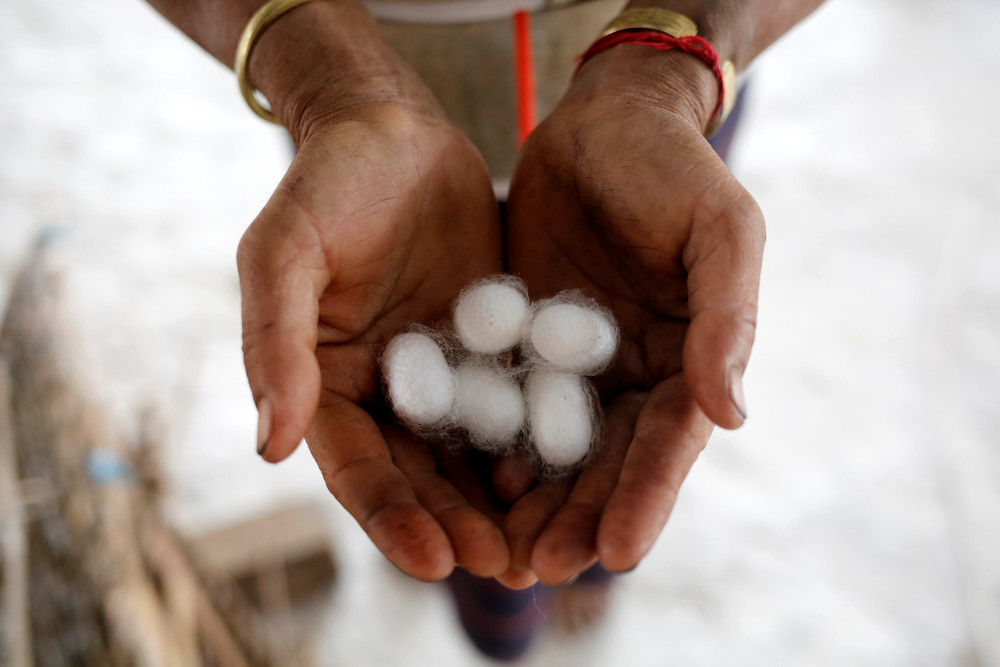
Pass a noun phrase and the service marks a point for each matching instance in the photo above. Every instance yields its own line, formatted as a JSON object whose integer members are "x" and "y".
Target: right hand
{"x": 383, "y": 217}
{"x": 619, "y": 195}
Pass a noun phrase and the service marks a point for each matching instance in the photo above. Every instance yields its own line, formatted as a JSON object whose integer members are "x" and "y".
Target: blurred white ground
{"x": 855, "y": 520}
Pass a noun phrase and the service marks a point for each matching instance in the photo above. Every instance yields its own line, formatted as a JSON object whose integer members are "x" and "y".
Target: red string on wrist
{"x": 661, "y": 41}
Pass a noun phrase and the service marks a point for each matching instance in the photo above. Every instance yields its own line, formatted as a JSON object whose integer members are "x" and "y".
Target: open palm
{"x": 378, "y": 224}
{"x": 630, "y": 204}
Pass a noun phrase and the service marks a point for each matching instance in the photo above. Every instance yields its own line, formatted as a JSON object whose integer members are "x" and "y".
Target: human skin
{"x": 619, "y": 194}
{"x": 387, "y": 212}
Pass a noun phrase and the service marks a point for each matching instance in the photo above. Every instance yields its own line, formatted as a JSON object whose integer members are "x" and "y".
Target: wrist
{"x": 325, "y": 61}
{"x": 738, "y": 31}
{"x": 673, "y": 81}
{"x": 725, "y": 25}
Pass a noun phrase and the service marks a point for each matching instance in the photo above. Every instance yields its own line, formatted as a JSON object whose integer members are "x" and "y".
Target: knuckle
{"x": 246, "y": 251}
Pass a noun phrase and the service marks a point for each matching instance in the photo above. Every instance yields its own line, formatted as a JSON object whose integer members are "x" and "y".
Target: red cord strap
{"x": 696, "y": 46}
{"x": 524, "y": 76}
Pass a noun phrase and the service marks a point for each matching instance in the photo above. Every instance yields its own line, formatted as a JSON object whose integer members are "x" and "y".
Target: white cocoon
{"x": 489, "y": 405}
{"x": 490, "y": 315}
{"x": 420, "y": 382}
{"x": 560, "y": 415}
{"x": 574, "y": 338}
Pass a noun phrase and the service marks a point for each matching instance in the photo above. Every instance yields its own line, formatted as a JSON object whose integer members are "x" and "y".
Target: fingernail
{"x": 263, "y": 425}
{"x": 571, "y": 580}
{"x": 734, "y": 381}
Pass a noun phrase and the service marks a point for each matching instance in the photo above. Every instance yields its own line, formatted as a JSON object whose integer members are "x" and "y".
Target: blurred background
{"x": 855, "y": 519}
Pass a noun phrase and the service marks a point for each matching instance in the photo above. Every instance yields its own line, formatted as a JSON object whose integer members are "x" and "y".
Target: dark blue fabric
{"x": 501, "y": 623}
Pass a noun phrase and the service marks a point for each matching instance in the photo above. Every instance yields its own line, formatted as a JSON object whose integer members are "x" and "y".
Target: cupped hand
{"x": 617, "y": 193}
{"x": 382, "y": 218}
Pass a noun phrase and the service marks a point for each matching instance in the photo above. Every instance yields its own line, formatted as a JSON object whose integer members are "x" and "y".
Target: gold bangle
{"x": 265, "y": 16}
{"x": 652, "y": 18}
{"x": 728, "y": 97}
{"x": 677, "y": 26}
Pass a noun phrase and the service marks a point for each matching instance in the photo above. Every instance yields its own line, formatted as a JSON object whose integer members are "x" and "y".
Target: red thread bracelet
{"x": 661, "y": 41}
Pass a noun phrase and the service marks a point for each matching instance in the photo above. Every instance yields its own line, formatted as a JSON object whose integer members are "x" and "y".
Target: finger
{"x": 282, "y": 274}
{"x": 723, "y": 259}
{"x": 568, "y": 544}
{"x": 358, "y": 469}
{"x": 478, "y": 542}
{"x": 669, "y": 434}
{"x": 517, "y": 579}
{"x": 468, "y": 471}
{"x": 528, "y": 517}
{"x": 513, "y": 476}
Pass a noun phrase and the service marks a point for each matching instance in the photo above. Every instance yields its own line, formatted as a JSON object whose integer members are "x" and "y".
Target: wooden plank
{"x": 293, "y": 539}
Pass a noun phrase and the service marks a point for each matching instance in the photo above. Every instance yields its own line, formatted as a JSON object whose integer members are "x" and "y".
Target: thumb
{"x": 282, "y": 272}
{"x": 723, "y": 260}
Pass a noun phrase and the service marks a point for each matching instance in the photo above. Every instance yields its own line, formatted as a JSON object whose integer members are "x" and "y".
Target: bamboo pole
{"x": 86, "y": 564}
{"x": 108, "y": 584}
{"x": 16, "y": 637}
{"x": 167, "y": 558}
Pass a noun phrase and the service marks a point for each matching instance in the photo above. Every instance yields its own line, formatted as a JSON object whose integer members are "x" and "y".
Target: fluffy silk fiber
{"x": 512, "y": 376}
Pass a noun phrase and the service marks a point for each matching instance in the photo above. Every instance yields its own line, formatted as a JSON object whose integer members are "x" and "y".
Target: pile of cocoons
{"x": 510, "y": 374}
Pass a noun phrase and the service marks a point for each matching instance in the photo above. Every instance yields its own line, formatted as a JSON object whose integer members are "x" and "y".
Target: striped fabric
{"x": 502, "y": 623}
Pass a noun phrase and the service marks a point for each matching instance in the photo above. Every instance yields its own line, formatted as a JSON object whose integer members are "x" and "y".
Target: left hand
{"x": 618, "y": 193}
